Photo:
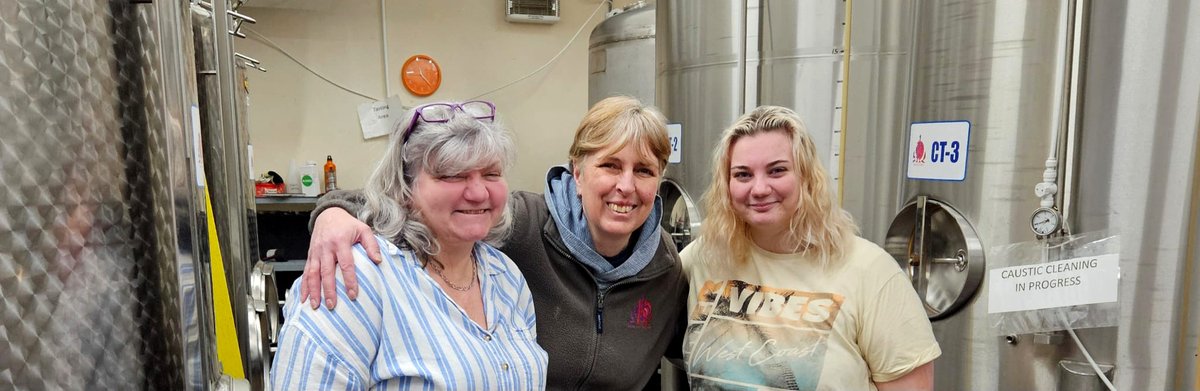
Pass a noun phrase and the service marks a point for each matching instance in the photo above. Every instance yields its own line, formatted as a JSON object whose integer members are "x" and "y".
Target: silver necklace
{"x": 470, "y": 284}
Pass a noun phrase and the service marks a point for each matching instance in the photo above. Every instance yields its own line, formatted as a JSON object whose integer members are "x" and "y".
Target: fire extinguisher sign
{"x": 937, "y": 151}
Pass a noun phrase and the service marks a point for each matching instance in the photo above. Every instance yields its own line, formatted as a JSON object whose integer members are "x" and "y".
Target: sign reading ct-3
{"x": 938, "y": 150}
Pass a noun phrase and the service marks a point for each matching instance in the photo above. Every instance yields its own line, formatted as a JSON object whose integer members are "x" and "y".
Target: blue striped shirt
{"x": 405, "y": 333}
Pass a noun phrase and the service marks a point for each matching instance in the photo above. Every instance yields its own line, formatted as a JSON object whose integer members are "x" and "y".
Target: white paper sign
{"x": 1076, "y": 281}
{"x": 198, "y": 147}
{"x": 938, "y": 150}
{"x": 379, "y": 118}
{"x": 675, "y": 133}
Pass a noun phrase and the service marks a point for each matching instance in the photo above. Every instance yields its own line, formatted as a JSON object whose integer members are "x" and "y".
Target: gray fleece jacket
{"x": 609, "y": 338}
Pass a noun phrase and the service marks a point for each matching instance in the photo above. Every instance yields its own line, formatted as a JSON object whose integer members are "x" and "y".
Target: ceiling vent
{"x": 531, "y": 11}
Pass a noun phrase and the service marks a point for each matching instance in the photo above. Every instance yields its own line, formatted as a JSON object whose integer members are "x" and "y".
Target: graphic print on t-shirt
{"x": 746, "y": 336}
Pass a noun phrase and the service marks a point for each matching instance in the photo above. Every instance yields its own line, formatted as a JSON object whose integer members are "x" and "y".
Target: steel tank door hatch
{"x": 681, "y": 217}
{"x": 940, "y": 251}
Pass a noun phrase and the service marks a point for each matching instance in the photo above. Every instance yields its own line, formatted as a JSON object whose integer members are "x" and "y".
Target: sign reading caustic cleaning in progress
{"x": 1075, "y": 281}
{"x": 938, "y": 150}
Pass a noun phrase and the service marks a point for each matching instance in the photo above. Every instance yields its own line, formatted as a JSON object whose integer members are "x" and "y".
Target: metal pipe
{"x": 1063, "y": 80}
{"x": 1077, "y": 13}
{"x": 179, "y": 95}
{"x": 1057, "y": 189}
{"x": 899, "y": 170}
{"x": 238, "y": 190}
{"x": 1189, "y": 267}
{"x": 922, "y": 270}
{"x": 742, "y": 56}
{"x": 242, "y": 17}
{"x": 245, "y": 57}
{"x": 387, "y": 70}
{"x": 1047, "y": 190}
{"x": 1078, "y": 67}
{"x": 845, "y": 86}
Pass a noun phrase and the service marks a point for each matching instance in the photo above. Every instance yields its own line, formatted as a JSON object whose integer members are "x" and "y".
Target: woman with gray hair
{"x": 446, "y": 310}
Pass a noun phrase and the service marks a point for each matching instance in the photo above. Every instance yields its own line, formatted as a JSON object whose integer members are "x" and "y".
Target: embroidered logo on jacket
{"x": 639, "y": 318}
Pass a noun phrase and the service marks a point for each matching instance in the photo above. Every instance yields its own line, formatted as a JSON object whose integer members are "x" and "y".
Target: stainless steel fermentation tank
{"x": 1010, "y": 69}
{"x": 621, "y": 61}
{"x": 102, "y": 259}
{"x": 1027, "y": 76}
{"x": 700, "y": 85}
{"x": 104, "y": 253}
{"x": 621, "y": 55}
{"x": 1001, "y": 70}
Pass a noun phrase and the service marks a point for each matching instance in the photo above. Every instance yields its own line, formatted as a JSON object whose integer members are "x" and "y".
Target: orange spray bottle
{"x": 330, "y": 174}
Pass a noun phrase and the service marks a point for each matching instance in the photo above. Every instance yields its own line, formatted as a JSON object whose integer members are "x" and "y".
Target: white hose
{"x": 271, "y": 44}
{"x": 1086, "y": 355}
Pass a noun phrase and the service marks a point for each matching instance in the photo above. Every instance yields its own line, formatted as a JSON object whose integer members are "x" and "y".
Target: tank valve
{"x": 1011, "y": 339}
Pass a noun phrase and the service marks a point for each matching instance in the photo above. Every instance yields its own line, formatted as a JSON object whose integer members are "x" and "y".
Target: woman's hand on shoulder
{"x": 334, "y": 235}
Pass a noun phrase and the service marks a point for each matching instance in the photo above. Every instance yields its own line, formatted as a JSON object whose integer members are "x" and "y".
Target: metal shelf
{"x": 286, "y": 203}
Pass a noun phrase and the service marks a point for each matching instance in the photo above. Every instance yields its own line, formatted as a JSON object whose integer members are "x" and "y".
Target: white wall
{"x": 295, "y": 115}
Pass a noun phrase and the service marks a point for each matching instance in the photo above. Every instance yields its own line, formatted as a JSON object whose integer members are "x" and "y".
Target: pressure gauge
{"x": 1045, "y": 221}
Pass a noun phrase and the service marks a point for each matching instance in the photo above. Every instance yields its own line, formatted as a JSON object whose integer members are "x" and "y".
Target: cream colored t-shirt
{"x": 782, "y": 322}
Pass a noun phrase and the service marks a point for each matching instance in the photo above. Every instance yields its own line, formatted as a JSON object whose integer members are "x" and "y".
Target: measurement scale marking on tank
{"x": 835, "y": 142}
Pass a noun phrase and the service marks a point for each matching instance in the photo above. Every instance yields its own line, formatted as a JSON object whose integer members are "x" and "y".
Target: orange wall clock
{"x": 421, "y": 75}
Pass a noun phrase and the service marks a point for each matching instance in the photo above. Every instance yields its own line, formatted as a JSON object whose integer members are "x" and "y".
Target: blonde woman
{"x": 783, "y": 294}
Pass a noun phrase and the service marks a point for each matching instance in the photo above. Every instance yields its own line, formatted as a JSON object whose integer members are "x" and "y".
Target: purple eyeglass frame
{"x": 453, "y": 106}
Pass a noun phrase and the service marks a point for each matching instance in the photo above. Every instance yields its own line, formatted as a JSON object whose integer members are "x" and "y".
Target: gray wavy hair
{"x": 439, "y": 149}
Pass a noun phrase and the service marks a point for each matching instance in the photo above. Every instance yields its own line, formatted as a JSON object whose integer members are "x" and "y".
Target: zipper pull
{"x": 600, "y": 314}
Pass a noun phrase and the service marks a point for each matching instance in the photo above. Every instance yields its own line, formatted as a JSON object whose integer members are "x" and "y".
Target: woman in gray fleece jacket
{"x": 607, "y": 285}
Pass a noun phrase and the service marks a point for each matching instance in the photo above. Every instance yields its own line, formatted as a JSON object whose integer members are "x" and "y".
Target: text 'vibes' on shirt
{"x": 759, "y": 335}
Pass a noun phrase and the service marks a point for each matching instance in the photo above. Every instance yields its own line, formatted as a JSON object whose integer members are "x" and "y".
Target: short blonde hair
{"x": 618, "y": 121}
{"x": 819, "y": 225}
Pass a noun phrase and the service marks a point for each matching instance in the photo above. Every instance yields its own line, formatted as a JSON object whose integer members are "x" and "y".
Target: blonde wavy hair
{"x": 820, "y": 227}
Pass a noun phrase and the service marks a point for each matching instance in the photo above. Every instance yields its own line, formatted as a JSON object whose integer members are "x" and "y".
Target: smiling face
{"x": 763, "y": 182}
{"x": 460, "y": 209}
{"x": 617, "y": 188}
